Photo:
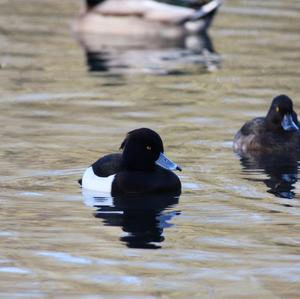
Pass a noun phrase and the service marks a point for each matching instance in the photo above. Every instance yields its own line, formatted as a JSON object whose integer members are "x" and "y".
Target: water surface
{"x": 225, "y": 237}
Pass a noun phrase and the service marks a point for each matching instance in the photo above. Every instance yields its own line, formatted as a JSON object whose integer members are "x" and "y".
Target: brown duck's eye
{"x": 148, "y": 148}
{"x": 277, "y": 109}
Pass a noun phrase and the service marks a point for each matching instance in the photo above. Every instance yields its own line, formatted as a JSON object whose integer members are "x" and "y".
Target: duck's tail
{"x": 206, "y": 10}
{"x": 202, "y": 18}
{"x": 92, "y": 3}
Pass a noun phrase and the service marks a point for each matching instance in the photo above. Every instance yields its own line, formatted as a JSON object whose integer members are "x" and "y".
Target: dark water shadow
{"x": 123, "y": 55}
{"x": 281, "y": 170}
{"x": 143, "y": 218}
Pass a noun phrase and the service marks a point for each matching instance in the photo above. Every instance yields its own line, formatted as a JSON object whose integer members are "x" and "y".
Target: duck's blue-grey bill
{"x": 165, "y": 162}
{"x": 288, "y": 123}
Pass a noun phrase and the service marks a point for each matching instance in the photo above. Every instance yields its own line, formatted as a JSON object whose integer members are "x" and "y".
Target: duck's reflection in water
{"x": 128, "y": 55}
{"x": 142, "y": 218}
{"x": 281, "y": 169}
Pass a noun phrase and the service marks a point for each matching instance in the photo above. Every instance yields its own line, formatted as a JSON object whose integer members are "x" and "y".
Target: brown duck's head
{"x": 281, "y": 116}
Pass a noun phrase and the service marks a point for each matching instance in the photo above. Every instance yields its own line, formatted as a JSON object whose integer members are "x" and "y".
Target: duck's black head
{"x": 142, "y": 149}
{"x": 281, "y": 116}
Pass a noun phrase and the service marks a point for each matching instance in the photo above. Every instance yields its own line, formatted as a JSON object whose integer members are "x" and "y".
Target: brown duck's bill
{"x": 288, "y": 123}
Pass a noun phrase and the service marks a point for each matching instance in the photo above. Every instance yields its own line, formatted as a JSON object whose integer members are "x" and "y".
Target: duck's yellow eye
{"x": 148, "y": 148}
{"x": 277, "y": 109}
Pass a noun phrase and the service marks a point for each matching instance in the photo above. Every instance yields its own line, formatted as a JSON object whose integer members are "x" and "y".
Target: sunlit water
{"x": 227, "y": 236}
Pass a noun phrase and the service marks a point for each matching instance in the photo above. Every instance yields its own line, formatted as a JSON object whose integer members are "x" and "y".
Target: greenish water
{"x": 227, "y": 237}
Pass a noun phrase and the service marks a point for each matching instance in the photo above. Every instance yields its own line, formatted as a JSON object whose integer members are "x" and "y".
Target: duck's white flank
{"x": 92, "y": 182}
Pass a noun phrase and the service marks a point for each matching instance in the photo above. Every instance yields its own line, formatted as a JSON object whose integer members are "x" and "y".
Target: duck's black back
{"x": 107, "y": 165}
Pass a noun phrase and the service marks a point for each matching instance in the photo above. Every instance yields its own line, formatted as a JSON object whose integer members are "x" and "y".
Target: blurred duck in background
{"x": 161, "y": 37}
{"x": 146, "y": 17}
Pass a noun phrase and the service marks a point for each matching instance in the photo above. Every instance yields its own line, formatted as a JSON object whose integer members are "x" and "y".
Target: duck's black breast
{"x": 280, "y": 142}
{"x": 107, "y": 165}
{"x": 137, "y": 182}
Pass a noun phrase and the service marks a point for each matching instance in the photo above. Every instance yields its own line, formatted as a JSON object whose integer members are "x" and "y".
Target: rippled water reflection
{"x": 281, "y": 171}
{"x": 142, "y": 218}
{"x": 127, "y": 56}
{"x": 227, "y": 237}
